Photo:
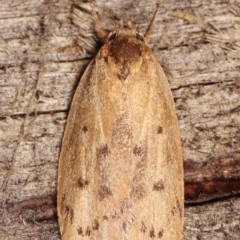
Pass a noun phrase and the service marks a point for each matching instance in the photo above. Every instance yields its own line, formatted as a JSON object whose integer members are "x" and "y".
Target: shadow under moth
{"x": 120, "y": 169}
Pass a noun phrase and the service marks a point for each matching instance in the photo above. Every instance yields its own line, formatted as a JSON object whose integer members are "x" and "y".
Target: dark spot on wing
{"x": 115, "y": 215}
{"x": 63, "y": 199}
{"x": 105, "y": 217}
{"x": 158, "y": 186}
{"x": 173, "y": 210}
{"x": 72, "y": 139}
{"x": 88, "y": 231}
{"x": 152, "y": 233}
{"x": 102, "y": 152}
{"x": 138, "y": 191}
{"x": 139, "y": 151}
{"x": 82, "y": 183}
{"x": 70, "y": 213}
{"x": 160, "y": 233}
{"x": 80, "y": 231}
{"x": 125, "y": 206}
{"x": 143, "y": 228}
{"x": 95, "y": 225}
{"x": 85, "y": 129}
{"x": 160, "y": 130}
{"x": 124, "y": 226}
{"x": 104, "y": 192}
{"x": 179, "y": 208}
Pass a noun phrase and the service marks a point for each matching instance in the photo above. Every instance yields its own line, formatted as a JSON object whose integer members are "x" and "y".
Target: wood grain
{"x": 44, "y": 49}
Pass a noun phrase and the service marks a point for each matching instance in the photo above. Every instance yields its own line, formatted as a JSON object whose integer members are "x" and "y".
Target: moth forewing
{"x": 120, "y": 168}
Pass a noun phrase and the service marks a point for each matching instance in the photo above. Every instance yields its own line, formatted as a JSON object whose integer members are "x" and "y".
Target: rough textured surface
{"x": 44, "y": 49}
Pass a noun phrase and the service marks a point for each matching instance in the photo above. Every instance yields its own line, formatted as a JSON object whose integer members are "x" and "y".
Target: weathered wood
{"x": 44, "y": 49}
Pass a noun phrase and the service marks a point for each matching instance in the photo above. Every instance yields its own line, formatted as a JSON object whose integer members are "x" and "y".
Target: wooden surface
{"x": 44, "y": 49}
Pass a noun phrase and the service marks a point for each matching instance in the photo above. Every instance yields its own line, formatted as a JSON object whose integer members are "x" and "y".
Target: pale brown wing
{"x": 120, "y": 169}
{"x": 157, "y": 180}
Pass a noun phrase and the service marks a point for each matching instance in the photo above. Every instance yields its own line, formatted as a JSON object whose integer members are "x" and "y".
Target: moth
{"x": 120, "y": 168}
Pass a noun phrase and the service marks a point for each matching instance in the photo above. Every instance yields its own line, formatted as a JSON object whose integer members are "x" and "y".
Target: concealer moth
{"x": 120, "y": 170}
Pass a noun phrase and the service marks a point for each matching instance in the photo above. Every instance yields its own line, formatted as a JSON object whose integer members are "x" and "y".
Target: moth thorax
{"x": 124, "y": 56}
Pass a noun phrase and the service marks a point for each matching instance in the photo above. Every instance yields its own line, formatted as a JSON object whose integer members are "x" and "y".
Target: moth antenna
{"x": 102, "y": 33}
{"x": 148, "y": 33}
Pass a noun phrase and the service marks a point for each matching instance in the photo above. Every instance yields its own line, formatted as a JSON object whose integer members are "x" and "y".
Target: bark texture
{"x": 44, "y": 49}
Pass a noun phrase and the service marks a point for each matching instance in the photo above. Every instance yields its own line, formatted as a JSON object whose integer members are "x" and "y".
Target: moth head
{"x": 129, "y": 30}
{"x": 124, "y": 50}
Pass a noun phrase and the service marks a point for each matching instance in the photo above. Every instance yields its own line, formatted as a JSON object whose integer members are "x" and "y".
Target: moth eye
{"x": 112, "y": 36}
{"x": 139, "y": 37}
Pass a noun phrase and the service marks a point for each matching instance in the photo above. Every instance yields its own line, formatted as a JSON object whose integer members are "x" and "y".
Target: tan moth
{"x": 120, "y": 168}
